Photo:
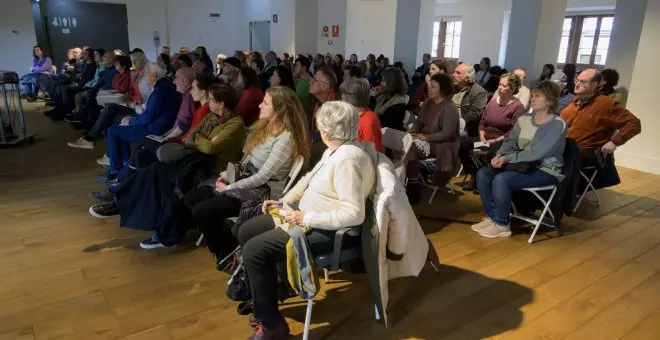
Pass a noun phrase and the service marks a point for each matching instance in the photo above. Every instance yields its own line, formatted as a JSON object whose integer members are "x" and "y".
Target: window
{"x": 446, "y": 38}
{"x": 585, "y": 39}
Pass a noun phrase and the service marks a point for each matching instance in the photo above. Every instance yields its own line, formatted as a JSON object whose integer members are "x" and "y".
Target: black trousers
{"x": 464, "y": 154}
{"x": 209, "y": 211}
{"x": 263, "y": 246}
{"x": 111, "y": 114}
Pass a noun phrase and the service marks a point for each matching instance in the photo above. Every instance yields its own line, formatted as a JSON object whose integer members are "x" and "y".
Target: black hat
{"x": 233, "y": 61}
{"x": 136, "y": 50}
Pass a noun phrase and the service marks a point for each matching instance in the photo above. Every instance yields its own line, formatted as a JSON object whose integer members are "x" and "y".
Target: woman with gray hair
{"x": 355, "y": 91}
{"x": 331, "y": 196}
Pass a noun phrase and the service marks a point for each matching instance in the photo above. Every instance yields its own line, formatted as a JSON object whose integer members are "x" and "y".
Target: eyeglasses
{"x": 320, "y": 81}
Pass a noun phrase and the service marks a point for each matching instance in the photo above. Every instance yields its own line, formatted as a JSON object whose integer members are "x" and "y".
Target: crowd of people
{"x": 191, "y": 143}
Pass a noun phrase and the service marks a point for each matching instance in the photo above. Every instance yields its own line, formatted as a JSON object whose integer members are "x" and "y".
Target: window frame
{"x": 575, "y": 36}
{"x": 442, "y": 36}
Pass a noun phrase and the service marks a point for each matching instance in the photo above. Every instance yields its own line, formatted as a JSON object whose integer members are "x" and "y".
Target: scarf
{"x": 383, "y": 103}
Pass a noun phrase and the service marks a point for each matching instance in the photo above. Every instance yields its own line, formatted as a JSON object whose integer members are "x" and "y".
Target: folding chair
{"x": 435, "y": 188}
{"x": 589, "y": 186}
{"x": 546, "y": 210}
{"x": 293, "y": 175}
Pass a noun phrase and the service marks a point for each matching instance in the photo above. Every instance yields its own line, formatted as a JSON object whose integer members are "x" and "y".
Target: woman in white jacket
{"x": 331, "y": 196}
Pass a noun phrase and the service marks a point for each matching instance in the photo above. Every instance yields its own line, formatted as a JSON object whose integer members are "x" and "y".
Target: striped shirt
{"x": 273, "y": 162}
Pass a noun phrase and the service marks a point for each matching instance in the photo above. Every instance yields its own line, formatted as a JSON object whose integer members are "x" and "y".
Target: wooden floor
{"x": 67, "y": 275}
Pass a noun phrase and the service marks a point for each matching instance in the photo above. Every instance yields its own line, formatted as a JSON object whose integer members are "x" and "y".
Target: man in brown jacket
{"x": 596, "y": 121}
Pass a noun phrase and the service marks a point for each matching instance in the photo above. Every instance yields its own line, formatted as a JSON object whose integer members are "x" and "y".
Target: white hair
{"x": 471, "y": 74}
{"x": 157, "y": 69}
{"x": 339, "y": 120}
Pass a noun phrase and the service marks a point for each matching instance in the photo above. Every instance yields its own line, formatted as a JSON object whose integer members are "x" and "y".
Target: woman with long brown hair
{"x": 275, "y": 140}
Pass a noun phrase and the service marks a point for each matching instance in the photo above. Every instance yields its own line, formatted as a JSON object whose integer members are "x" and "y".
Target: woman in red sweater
{"x": 355, "y": 91}
{"x": 251, "y": 97}
{"x": 121, "y": 82}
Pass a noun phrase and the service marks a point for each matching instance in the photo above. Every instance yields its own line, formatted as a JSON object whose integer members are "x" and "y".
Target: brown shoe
{"x": 280, "y": 332}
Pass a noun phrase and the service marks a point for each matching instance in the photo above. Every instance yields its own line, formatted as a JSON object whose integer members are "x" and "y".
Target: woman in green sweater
{"x": 222, "y": 132}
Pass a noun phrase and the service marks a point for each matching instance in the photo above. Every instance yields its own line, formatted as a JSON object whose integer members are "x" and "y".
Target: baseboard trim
{"x": 637, "y": 162}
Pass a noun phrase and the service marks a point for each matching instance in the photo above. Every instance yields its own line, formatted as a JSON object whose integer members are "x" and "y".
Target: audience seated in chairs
{"x": 355, "y": 91}
{"x": 436, "y": 135}
{"x": 531, "y": 156}
{"x": 352, "y": 72}
{"x": 389, "y": 99}
{"x": 598, "y": 124}
{"x": 470, "y": 97}
{"x": 146, "y": 200}
{"x": 133, "y": 102}
{"x": 331, "y": 196}
{"x": 42, "y": 66}
{"x": 484, "y": 74}
{"x": 85, "y": 101}
{"x": 251, "y": 98}
{"x": 70, "y": 70}
{"x": 64, "y": 96}
{"x": 276, "y": 139}
{"x": 206, "y": 58}
{"x": 165, "y": 62}
{"x": 498, "y": 119}
{"x": 608, "y": 84}
{"x": 421, "y": 94}
{"x": 269, "y": 68}
{"x": 158, "y": 116}
{"x": 121, "y": 83}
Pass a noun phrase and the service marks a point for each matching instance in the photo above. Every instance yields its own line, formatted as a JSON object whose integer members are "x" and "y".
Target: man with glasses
{"x": 323, "y": 87}
{"x": 598, "y": 124}
{"x": 597, "y": 121}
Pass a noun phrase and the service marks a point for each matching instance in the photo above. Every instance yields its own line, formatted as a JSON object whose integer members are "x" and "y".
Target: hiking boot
{"x": 494, "y": 230}
{"x": 478, "y": 227}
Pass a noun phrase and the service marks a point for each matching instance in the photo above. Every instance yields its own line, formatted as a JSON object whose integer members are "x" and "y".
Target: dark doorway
{"x": 71, "y": 23}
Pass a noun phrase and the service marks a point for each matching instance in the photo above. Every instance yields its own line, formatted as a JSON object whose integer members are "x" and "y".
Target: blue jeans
{"x": 495, "y": 188}
{"x": 118, "y": 140}
{"x": 30, "y": 83}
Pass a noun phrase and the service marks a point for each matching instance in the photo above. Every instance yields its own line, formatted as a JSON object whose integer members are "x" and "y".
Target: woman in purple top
{"x": 41, "y": 64}
{"x": 498, "y": 120}
{"x": 502, "y": 112}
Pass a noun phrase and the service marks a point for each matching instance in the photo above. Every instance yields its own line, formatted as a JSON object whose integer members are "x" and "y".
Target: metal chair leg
{"x": 199, "y": 240}
{"x": 308, "y": 319}
{"x": 376, "y": 314}
{"x": 326, "y": 273}
{"x": 545, "y": 210}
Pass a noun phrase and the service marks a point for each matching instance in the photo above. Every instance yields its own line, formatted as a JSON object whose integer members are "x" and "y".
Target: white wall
{"x": 405, "y": 46}
{"x": 370, "y": 28}
{"x": 642, "y": 151}
{"x": 482, "y": 27}
{"x": 332, "y": 12}
{"x": 307, "y": 26}
{"x": 283, "y": 32}
{"x": 16, "y": 55}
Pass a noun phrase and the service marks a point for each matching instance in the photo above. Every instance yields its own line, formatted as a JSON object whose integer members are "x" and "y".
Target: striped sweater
{"x": 273, "y": 162}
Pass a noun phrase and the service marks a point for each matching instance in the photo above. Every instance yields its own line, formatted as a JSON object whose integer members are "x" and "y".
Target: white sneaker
{"x": 105, "y": 160}
{"x": 494, "y": 230}
{"x": 478, "y": 227}
{"x": 81, "y": 143}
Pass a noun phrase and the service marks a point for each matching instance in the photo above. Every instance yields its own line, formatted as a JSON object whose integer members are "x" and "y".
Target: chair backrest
{"x": 295, "y": 170}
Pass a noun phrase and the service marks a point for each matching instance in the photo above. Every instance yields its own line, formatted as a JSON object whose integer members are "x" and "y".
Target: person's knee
{"x": 500, "y": 182}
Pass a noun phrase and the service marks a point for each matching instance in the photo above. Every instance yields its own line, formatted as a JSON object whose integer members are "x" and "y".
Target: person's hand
{"x": 427, "y": 79}
{"x": 220, "y": 186}
{"x": 295, "y": 217}
{"x": 266, "y": 204}
{"x": 491, "y": 141}
{"x": 125, "y": 121}
{"x": 483, "y": 140}
{"x": 497, "y": 162}
{"x": 609, "y": 148}
{"x": 419, "y": 136}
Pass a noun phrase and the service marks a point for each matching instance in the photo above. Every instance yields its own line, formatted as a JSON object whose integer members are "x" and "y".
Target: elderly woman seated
{"x": 331, "y": 196}
{"x": 531, "y": 156}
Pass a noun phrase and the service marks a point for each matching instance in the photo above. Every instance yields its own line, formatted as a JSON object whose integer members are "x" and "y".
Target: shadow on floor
{"x": 424, "y": 307}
